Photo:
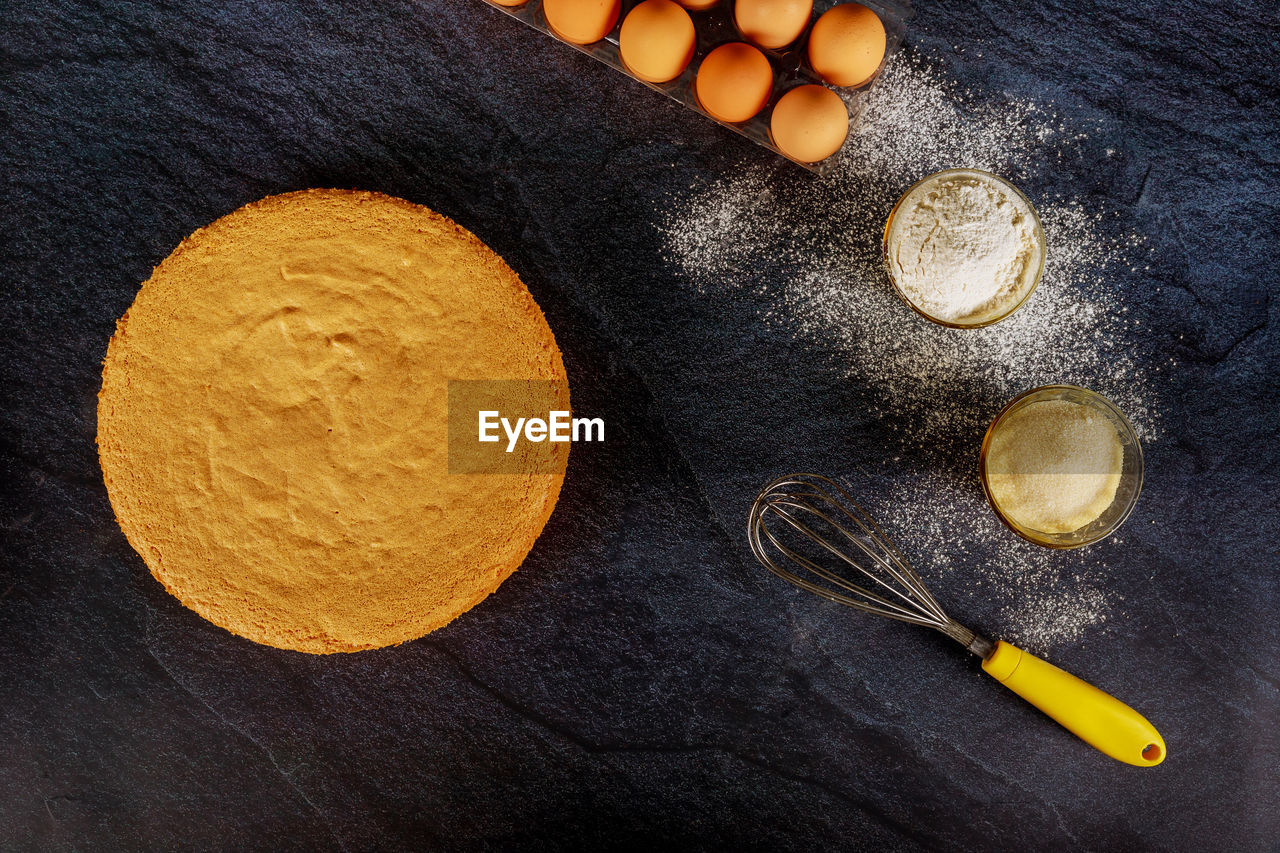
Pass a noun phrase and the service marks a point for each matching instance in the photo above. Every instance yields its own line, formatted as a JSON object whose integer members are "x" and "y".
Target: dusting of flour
{"x": 817, "y": 244}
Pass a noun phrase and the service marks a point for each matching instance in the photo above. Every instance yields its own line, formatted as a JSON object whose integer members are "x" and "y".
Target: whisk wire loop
{"x": 904, "y": 611}
{"x": 833, "y": 547}
{"x": 876, "y": 545}
{"x": 826, "y": 592}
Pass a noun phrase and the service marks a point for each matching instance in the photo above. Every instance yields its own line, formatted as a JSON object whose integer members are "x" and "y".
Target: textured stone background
{"x": 638, "y": 682}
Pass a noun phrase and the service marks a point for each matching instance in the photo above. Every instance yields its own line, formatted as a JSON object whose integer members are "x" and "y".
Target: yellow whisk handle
{"x": 1097, "y": 718}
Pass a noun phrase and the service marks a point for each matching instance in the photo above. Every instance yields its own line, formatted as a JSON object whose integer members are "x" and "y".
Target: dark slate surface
{"x": 638, "y": 682}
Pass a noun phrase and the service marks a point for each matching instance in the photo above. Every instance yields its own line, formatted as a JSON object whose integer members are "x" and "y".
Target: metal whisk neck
{"x": 974, "y": 642}
{"x": 810, "y": 532}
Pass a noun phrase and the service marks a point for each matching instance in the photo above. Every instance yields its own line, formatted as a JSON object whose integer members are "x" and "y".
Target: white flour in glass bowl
{"x": 964, "y": 247}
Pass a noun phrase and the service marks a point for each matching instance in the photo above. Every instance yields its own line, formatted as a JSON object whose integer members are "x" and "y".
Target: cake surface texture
{"x": 272, "y": 424}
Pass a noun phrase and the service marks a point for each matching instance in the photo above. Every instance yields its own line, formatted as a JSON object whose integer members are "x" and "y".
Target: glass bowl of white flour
{"x": 964, "y": 248}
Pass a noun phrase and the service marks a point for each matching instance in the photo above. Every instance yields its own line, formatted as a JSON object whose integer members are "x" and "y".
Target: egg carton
{"x": 714, "y": 27}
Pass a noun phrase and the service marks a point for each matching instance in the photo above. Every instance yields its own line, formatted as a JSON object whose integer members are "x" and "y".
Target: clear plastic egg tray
{"x": 714, "y": 27}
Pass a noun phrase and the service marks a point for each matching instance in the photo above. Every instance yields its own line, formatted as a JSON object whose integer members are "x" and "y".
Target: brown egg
{"x": 581, "y": 21}
{"x": 846, "y": 45}
{"x": 772, "y": 24}
{"x": 697, "y": 5}
{"x": 734, "y": 82}
{"x": 809, "y": 123}
{"x": 657, "y": 40}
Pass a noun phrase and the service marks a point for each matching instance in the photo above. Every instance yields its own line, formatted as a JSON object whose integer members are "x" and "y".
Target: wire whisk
{"x": 807, "y": 530}
{"x": 833, "y": 548}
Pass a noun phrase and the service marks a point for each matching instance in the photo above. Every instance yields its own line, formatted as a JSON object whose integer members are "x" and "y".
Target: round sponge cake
{"x": 273, "y": 424}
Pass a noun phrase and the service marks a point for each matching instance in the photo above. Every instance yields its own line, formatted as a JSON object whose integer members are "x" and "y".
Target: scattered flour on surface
{"x": 984, "y": 575}
{"x": 812, "y": 250}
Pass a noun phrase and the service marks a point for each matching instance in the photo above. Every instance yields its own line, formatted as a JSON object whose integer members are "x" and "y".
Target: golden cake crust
{"x": 272, "y": 424}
